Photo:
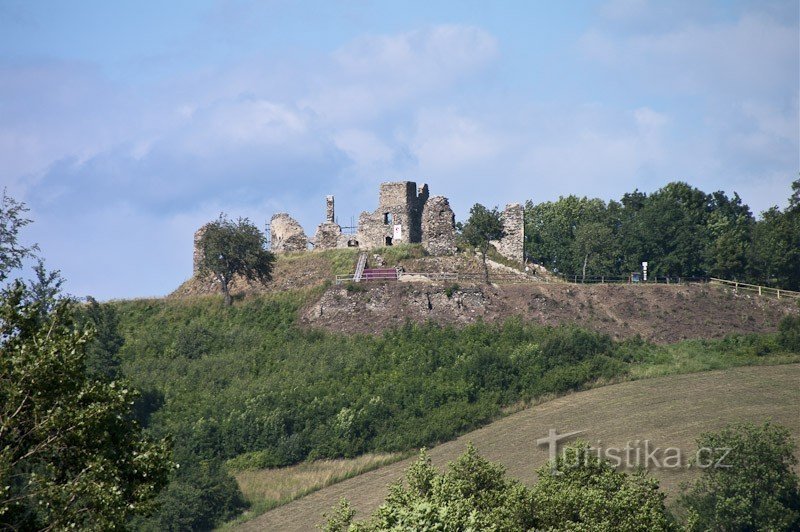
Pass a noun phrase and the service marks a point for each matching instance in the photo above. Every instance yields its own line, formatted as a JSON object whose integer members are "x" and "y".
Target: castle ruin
{"x": 406, "y": 214}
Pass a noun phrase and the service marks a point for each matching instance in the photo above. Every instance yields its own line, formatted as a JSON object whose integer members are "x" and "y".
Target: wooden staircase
{"x": 362, "y": 263}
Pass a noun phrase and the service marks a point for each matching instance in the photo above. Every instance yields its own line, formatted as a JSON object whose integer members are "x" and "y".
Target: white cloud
{"x": 753, "y": 54}
{"x": 374, "y": 74}
{"x": 447, "y": 141}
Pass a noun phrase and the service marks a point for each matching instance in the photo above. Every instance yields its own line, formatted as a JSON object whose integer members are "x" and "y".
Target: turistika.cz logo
{"x": 634, "y": 455}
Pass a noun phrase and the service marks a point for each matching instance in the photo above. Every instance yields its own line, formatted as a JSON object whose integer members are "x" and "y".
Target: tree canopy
{"x": 475, "y": 494}
{"x": 230, "y": 248}
{"x": 484, "y": 226}
{"x": 755, "y": 488}
{"x": 679, "y": 230}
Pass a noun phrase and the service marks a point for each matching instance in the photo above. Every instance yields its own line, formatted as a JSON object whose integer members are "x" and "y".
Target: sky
{"x": 126, "y": 125}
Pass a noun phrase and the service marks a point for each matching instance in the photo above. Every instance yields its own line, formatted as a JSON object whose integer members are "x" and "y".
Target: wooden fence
{"x": 754, "y": 288}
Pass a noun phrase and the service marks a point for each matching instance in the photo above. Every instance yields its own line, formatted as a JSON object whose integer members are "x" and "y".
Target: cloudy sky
{"x": 125, "y": 125}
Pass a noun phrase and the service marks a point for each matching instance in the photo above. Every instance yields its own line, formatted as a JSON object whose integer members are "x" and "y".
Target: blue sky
{"x": 127, "y": 125}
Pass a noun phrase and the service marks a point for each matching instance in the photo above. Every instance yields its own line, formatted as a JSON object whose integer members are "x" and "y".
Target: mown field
{"x": 668, "y": 411}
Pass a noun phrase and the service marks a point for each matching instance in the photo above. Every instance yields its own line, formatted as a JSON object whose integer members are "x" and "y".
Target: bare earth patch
{"x": 659, "y": 313}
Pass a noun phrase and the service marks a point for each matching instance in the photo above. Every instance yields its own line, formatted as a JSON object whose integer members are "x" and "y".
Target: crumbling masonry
{"x": 405, "y": 214}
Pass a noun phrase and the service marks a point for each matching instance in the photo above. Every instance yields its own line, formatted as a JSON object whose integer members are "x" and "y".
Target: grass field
{"x": 265, "y": 489}
{"x": 668, "y": 411}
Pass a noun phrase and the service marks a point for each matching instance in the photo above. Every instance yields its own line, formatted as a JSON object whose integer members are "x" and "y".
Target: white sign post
{"x": 644, "y": 271}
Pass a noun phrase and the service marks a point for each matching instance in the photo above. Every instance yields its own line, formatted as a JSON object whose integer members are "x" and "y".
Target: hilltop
{"x": 658, "y": 312}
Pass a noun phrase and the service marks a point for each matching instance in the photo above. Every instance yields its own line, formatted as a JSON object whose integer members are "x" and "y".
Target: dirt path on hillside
{"x": 669, "y": 412}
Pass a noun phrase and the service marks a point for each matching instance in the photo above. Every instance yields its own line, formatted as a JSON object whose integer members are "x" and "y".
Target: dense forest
{"x": 679, "y": 230}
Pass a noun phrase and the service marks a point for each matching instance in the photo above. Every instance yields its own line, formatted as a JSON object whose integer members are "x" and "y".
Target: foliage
{"x": 200, "y": 496}
{"x": 789, "y": 333}
{"x": 482, "y": 227}
{"x": 776, "y": 246}
{"x": 679, "y": 230}
{"x": 70, "y": 453}
{"x": 248, "y": 381}
{"x": 582, "y": 492}
{"x": 755, "y": 489}
{"x": 12, "y": 220}
{"x": 102, "y": 353}
{"x": 45, "y": 289}
{"x": 289, "y": 394}
{"x": 474, "y": 494}
{"x": 229, "y": 248}
{"x": 451, "y": 289}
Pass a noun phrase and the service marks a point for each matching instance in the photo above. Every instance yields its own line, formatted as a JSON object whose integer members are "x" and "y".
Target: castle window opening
{"x": 388, "y": 241}
{"x": 352, "y": 243}
{"x": 387, "y": 218}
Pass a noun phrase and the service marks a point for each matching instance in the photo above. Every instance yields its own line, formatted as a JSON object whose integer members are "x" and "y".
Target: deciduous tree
{"x": 481, "y": 229}
{"x": 231, "y": 248}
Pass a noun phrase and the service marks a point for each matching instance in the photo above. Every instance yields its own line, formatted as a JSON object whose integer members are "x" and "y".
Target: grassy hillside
{"x": 669, "y": 412}
{"x": 248, "y": 383}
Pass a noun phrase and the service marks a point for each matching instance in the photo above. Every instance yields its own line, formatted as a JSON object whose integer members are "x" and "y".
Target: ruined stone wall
{"x": 438, "y": 227}
{"x": 287, "y": 235}
{"x": 329, "y": 233}
{"x": 197, "y": 254}
{"x": 330, "y": 213}
{"x": 329, "y": 236}
{"x": 511, "y": 246}
{"x": 400, "y": 204}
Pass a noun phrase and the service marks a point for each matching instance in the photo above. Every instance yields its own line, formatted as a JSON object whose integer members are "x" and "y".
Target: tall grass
{"x": 266, "y": 489}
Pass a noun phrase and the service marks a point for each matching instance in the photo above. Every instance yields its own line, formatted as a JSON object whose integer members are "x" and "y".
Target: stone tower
{"x": 397, "y": 220}
{"x": 512, "y": 246}
{"x": 438, "y": 227}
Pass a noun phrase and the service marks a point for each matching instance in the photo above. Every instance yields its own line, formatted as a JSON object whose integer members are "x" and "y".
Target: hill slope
{"x": 658, "y": 313}
{"x": 669, "y": 412}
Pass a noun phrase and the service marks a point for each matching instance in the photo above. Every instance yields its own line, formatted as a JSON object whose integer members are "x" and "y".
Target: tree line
{"x": 679, "y": 230}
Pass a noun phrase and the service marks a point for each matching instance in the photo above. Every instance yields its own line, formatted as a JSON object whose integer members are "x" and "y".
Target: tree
{"x": 12, "y": 219}
{"x": 583, "y": 492}
{"x": 776, "y": 245}
{"x": 755, "y": 489}
{"x": 231, "y": 248}
{"x": 71, "y": 455}
{"x": 46, "y": 288}
{"x": 593, "y": 241}
{"x": 474, "y": 494}
{"x": 481, "y": 229}
{"x": 102, "y": 353}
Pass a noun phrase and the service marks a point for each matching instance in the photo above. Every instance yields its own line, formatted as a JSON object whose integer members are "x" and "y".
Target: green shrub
{"x": 353, "y": 288}
{"x": 789, "y": 333}
{"x": 451, "y": 289}
{"x": 756, "y": 489}
{"x": 475, "y": 494}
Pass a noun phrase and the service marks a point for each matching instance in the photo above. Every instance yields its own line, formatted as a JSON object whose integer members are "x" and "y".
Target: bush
{"x": 352, "y": 287}
{"x": 475, "y": 494}
{"x": 757, "y": 489}
{"x": 582, "y": 492}
{"x": 789, "y": 333}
